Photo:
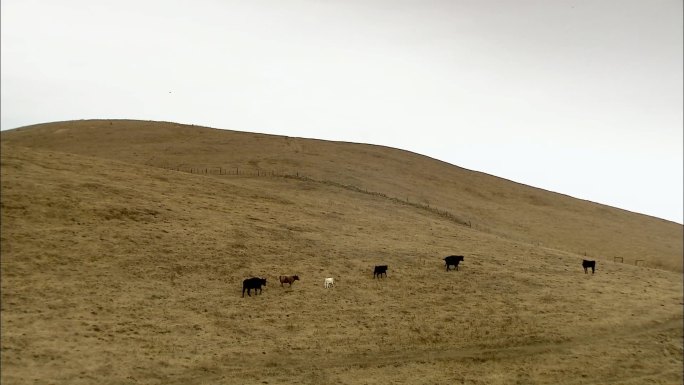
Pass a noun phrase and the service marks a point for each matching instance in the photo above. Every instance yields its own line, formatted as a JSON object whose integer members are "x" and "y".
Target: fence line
{"x": 443, "y": 213}
{"x": 236, "y": 171}
{"x": 223, "y": 171}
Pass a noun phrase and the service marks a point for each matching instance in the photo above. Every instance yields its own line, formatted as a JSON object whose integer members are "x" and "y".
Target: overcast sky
{"x": 578, "y": 97}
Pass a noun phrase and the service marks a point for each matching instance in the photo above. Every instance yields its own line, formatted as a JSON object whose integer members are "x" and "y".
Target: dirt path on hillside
{"x": 297, "y": 362}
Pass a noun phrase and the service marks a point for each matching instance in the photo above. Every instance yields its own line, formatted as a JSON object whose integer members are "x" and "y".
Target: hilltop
{"x": 486, "y": 203}
{"x": 122, "y": 262}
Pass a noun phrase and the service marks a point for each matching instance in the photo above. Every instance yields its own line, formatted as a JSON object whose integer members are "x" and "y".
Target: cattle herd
{"x": 379, "y": 270}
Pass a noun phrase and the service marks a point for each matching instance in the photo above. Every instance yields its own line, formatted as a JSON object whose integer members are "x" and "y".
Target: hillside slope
{"x": 119, "y": 273}
{"x": 488, "y": 204}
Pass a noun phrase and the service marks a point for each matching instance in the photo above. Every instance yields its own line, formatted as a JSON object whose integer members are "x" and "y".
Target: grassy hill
{"x": 487, "y": 203}
{"x": 119, "y": 268}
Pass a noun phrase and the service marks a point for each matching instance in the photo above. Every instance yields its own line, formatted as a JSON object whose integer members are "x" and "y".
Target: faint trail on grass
{"x": 442, "y": 213}
{"x": 385, "y": 358}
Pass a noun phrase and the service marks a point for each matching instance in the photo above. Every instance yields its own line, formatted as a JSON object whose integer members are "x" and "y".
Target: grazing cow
{"x": 453, "y": 260}
{"x": 329, "y": 282}
{"x": 252, "y": 283}
{"x": 288, "y": 279}
{"x": 379, "y": 271}
{"x": 587, "y": 264}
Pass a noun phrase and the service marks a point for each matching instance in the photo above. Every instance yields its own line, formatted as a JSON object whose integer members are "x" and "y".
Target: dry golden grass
{"x": 489, "y": 204}
{"x": 117, "y": 271}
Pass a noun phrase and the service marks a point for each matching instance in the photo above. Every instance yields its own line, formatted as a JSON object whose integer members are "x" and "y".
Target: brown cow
{"x": 289, "y": 279}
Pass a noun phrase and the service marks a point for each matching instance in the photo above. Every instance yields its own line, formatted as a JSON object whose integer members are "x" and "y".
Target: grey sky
{"x": 578, "y": 97}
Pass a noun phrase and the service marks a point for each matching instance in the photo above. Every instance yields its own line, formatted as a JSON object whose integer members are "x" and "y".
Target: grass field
{"x": 117, "y": 269}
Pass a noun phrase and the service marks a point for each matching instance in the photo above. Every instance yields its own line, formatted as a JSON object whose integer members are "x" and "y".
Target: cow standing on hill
{"x": 289, "y": 279}
{"x": 587, "y": 264}
{"x": 379, "y": 271}
{"x": 453, "y": 260}
{"x": 252, "y": 283}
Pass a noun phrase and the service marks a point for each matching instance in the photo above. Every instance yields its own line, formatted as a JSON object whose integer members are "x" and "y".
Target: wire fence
{"x": 237, "y": 171}
{"x": 247, "y": 172}
{"x": 225, "y": 171}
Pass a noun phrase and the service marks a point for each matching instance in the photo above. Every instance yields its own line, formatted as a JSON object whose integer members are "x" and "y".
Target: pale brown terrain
{"x": 120, "y": 266}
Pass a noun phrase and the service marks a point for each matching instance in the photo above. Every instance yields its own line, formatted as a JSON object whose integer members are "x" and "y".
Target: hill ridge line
{"x": 491, "y": 204}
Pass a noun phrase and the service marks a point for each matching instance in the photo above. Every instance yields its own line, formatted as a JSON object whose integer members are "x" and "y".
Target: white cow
{"x": 329, "y": 282}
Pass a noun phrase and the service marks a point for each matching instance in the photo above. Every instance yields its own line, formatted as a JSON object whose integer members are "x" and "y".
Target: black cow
{"x": 252, "y": 283}
{"x": 379, "y": 271}
{"x": 453, "y": 260}
{"x": 587, "y": 264}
